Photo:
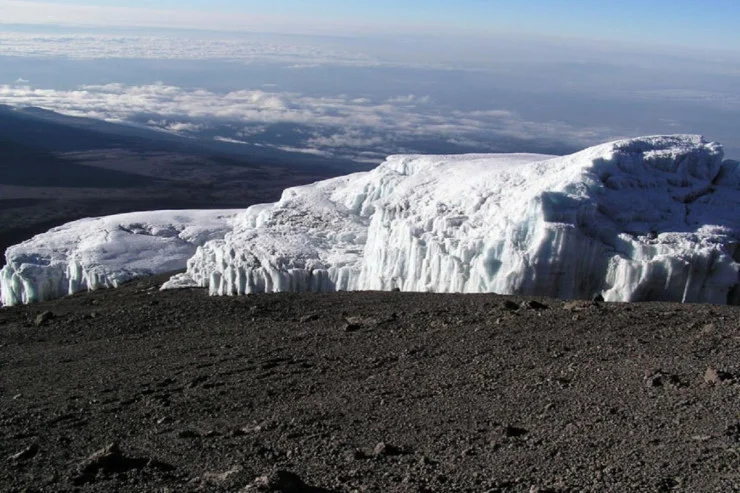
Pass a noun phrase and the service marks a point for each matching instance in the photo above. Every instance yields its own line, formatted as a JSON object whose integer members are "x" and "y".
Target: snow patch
{"x": 105, "y": 251}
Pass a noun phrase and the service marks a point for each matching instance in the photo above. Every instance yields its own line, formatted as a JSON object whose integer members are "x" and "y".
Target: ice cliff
{"x": 653, "y": 218}
{"x": 105, "y": 251}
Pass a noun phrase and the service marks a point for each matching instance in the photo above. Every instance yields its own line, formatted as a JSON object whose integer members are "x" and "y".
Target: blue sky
{"x": 707, "y": 24}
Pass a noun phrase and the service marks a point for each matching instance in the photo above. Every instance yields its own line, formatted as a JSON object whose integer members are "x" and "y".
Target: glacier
{"x": 651, "y": 218}
{"x": 103, "y": 252}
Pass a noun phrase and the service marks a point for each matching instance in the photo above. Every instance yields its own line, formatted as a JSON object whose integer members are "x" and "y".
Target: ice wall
{"x": 653, "y": 218}
{"x": 106, "y": 251}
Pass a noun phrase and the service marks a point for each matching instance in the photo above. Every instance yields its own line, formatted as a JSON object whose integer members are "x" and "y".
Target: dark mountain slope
{"x": 55, "y": 132}
{"x": 24, "y": 165}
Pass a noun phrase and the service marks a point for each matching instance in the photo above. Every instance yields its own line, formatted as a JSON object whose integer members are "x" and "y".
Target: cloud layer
{"x": 246, "y": 49}
{"x": 340, "y": 125}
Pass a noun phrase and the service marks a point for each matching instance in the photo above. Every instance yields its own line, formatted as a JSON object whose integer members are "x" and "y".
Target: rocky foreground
{"x": 135, "y": 389}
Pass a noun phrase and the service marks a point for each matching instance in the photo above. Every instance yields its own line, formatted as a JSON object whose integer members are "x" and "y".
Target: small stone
{"x": 733, "y": 431}
{"x": 25, "y": 454}
{"x": 196, "y": 381}
{"x": 573, "y": 306}
{"x": 281, "y": 481}
{"x": 655, "y": 380}
{"x": 264, "y": 426}
{"x": 106, "y": 460}
{"x": 354, "y": 454}
{"x": 385, "y": 449}
{"x": 715, "y": 377}
{"x": 514, "y": 431}
{"x": 534, "y": 305}
{"x": 221, "y": 477}
{"x": 426, "y": 461}
{"x": 711, "y": 376}
{"x": 362, "y": 321}
{"x": 509, "y": 305}
{"x": 660, "y": 378}
{"x": 187, "y": 434}
{"x": 709, "y": 328}
{"x": 110, "y": 460}
{"x": 43, "y": 318}
{"x": 349, "y": 327}
{"x": 578, "y": 305}
{"x": 540, "y": 489}
{"x": 309, "y": 318}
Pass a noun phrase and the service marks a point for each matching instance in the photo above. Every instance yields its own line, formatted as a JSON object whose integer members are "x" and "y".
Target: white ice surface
{"x": 654, "y": 218}
{"x": 106, "y": 251}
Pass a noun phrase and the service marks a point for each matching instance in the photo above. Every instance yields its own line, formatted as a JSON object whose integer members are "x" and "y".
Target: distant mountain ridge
{"x": 54, "y": 132}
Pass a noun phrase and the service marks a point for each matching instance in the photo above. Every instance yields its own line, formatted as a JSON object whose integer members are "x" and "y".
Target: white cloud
{"x": 322, "y": 124}
{"x": 408, "y": 100}
{"x": 229, "y": 140}
{"x": 176, "y": 127}
{"x": 304, "y": 150}
{"x": 720, "y": 99}
{"x": 233, "y": 48}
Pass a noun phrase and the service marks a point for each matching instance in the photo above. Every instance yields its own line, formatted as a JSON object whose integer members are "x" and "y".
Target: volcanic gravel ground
{"x": 135, "y": 389}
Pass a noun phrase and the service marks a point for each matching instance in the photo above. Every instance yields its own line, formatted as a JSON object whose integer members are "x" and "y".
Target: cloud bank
{"x": 245, "y": 49}
{"x": 360, "y": 128}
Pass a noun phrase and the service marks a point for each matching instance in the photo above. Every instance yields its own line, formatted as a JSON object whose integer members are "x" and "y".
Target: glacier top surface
{"x": 487, "y": 222}
{"x": 639, "y": 183}
{"x": 135, "y": 240}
